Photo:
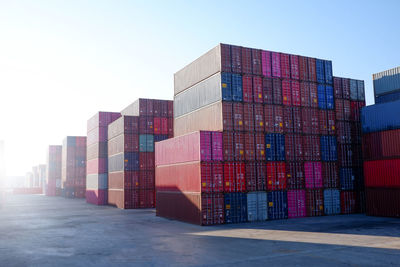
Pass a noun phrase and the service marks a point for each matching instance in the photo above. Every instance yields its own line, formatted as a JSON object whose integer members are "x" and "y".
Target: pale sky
{"x": 62, "y": 61}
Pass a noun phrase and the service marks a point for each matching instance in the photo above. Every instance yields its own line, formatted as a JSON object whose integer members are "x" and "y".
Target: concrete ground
{"x": 52, "y": 231}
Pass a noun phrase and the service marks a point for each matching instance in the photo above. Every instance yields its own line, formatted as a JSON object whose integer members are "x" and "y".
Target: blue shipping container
{"x": 131, "y": 161}
{"x": 321, "y": 96}
{"x": 332, "y": 201}
{"x": 330, "y": 99}
{"x": 237, "y": 88}
{"x": 320, "y": 68}
{"x": 347, "y": 179}
{"x": 381, "y": 117}
{"x": 275, "y": 147}
{"x": 393, "y": 96}
{"x": 353, "y": 89}
{"x": 235, "y": 207}
{"x": 226, "y": 85}
{"x": 160, "y": 137}
{"x": 277, "y": 205}
{"x": 146, "y": 143}
{"x": 256, "y": 206}
{"x": 328, "y": 72}
{"x": 328, "y": 148}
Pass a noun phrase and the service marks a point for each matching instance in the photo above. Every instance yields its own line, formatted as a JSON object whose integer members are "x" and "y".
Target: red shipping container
{"x": 355, "y": 110}
{"x": 267, "y": 91}
{"x": 343, "y": 130}
{"x": 218, "y": 177}
{"x": 269, "y": 120}
{"x": 383, "y": 202}
{"x": 257, "y": 89}
{"x": 339, "y": 109}
{"x": 146, "y": 124}
{"x": 256, "y": 56}
{"x": 170, "y": 127}
{"x": 249, "y": 147}
{"x": 315, "y": 202}
{"x": 348, "y": 202}
{"x": 251, "y": 176}
{"x": 276, "y": 176}
{"x": 311, "y": 148}
{"x": 164, "y": 126}
{"x": 323, "y": 122}
{"x": 261, "y": 169}
{"x": 306, "y": 120}
{"x": 346, "y": 110}
{"x": 346, "y": 88}
{"x": 240, "y": 177}
{"x": 278, "y": 119}
{"x": 131, "y": 143}
{"x": 286, "y": 93}
{"x": 229, "y": 177}
{"x": 295, "y": 175}
{"x": 229, "y": 154}
{"x": 276, "y": 64}
{"x": 236, "y": 59}
{"x": 382, "y": 173}
{"x": 237, "y": 116}
{"x": 146, "y": 160}
{"x": 297, "y": 123}
{"x": 285, "y": 66}
{"x": 246, "y": 61}
{"x": 390, "y": 141}
{"x": 313, "y": 95}
{"x": 258, "y": 118}
{"x": 288, "y": 119}
{"x": 337, "y": 87}
{"x": 266, "y": 63}
{"x": 157, "y": 125}
{"x": 330, "y": 175}
{"x": 239, "y": 146}
{"x": 345, "y": 155}
{"x": 170, "y": 109}
{"x": 147, "y": 180}
{"x": 294, "y": 67}
{"x": 227, "y": 113}
{"x": 303, "y": 68}
{"x": 305, "y": 94}
{"x": 296, "y": 99}
{"x": 247, "y": 88}
{"x": 277, "y": 91}
{"x": 157, "y": 108}
{"x": 260, "y": 146}
{"x": 226, "y": 64}
{"x": 312, "y": 70}
{"x": 372, "y": 146}
{"x": 248, "y": 117}
{"x": 331, "y": 122}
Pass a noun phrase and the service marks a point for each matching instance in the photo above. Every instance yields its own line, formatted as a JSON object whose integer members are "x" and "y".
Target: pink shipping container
{"x": 285, "y": 66}
{"x": 294, "y": 67}
{"x": 286, "y": 93}
{"x": 313, "y": 175}
{"x": 296, "y": 203}
{"x": 276, "y": 64}
{"x": 266, "y": 63}
{"x": 95, "y": 166}
{"x": 296, "y": 94}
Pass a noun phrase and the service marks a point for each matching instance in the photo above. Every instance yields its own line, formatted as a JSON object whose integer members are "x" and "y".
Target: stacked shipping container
{"x": 381, "y": 151}
{"x": 131, "y": 141}
{"x": 387, "y": 85}
{"x": 277, "y": 116}
{"x": 97, "y": 157}
{"x": 73, "y": 167}
{"x": 53, "y": 173}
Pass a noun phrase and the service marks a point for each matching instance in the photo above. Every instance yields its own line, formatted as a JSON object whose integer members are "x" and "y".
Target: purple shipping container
{"x": 313, "y": 174}
{"x": 266, "y": 63}
{"x": 276, "y": 64}
{"x": 296, "y": 203}
{"x": 217, "y": 151}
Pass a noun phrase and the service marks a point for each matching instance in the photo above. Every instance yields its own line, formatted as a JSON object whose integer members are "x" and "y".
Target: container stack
{"x": 42, "y": 176}
{"x": 73, "y": 167}
{"x": 387, "y": 85}
{"x": 53, "y": 173}
{"x": 381, "y": 151}
{"x": 277, "y": 116}
{"x": 131, "y": 141}
{"x": 97, "y": 157}
{"x": 35, "y": 176}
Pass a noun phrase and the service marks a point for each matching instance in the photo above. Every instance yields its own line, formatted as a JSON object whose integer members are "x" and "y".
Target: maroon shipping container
{"x": 311, "y": 148}
{"x": 346, "y": 110}
{"x": 339, "y": 109}
{"x": 343, "y": 130}
{"x": 303, "y": 68}
{"x": 170, "y": 127}
{"x": 146, "y": 161}
{"x": 157, "y": 108}
{"x": 251, "y": 176}
{"x": 276, "y": 176}
{"x": 248, "y": 117}
{"x": 337, "y": 87}
{"x": 276, "y": 64}
{"x": 227, "y": 112}
{"x": 278, "y": 119}
{"x": 146, "y": 124}
{"x": 294, "y": 67}
{"x": 293, "y": 147}
{"x": 390, "y": 143}
{"x": 330, "y": 175}
{"x": 238, "y": 116}
{"x": 96, "y": 197}
{"x": 323, "y": 122}
{"x": 277, "y": 91}
{"x": 345, "y": 155}
{"x": 257, "y": 89}
{"x": 226, "y": 65}
{"x": 382, "y": 173}
{"x": 247, "y": 81}
{"x": 312, "y": 70}
{"x": 249, "y": 147}
{"x": 236, "y": 52}
{"x": 313, "y": 95}
{"x": 346, "y": 88}
{"x": 247, "y": 63}
{"x": 296, "y": 98}
{"x": 258, "y": 118}
{"x": 269, "y": 120}
{"x": 201, "y": 209}
{"x": 297, "y": 123}
{"x": 260, "y": 146}
{"x": 261, "y": 169}
{"x": 306, "y": 120}
{"x": 305, "y": 94}
{"x": 355, "y": 110}
{"x": 238, "y": 144}
{"x": 286, "y": 93}
{"x": 164, "y": 109}
{"x": 170, "y": 109}
{"x": 266, "y": 63}
{"x": 256, "y": 57}
{"x": 228, "y": 148}
{"x": 348, "y": 202}
{"x": 331, "y": 122}
{"x": 314, "y": 202}
{"x": 234, "y": 177}
{"x": 267, "y": 91}
{"x": 383, "y": 202}
{"x": 372, "y": 145}
{"x": 357, "y": 155}
{"x": 285, "y": 66}
{"x": 295, "y": 175}
{"x": 288, "y": 119}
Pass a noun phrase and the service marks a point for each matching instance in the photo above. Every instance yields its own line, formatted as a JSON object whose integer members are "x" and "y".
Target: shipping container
{"x": 332, "y": 201}
{"x": 313, "y": 174}
{"x": 53, "y": 170}
{"x": 296, "y": 203}
{"x": 380, "y": 117}
{"x": 348, "y": 201}
{"x": 235, "y": 207}
{"x": 256, "y": 206}
{"x": 314, "y": 202}
{"x": 295, "y": 175}
{"x": 266, "y": 63}
{"x": 275, "y": 147}
{"x": 276, "y": 176}
{"x": 277, "y": 205}
{"x": 382, "y": 173}
{"x": 388, "y": 97}
{"x": 383, "y": 202}
{"x": 386, "y": 81}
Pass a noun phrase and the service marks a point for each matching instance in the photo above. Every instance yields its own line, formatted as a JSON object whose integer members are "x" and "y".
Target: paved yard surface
{"x": 53, "y": 231}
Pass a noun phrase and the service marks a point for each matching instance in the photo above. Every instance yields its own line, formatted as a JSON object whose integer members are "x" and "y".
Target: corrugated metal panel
{"x": 332, "y": 201}
{"x": 392, "y": 96}
{"x": 256, "y": 206}
{"x": 383, "y": 202}
{"x": 386, "y": 81}
{"x": 380, "y": 117}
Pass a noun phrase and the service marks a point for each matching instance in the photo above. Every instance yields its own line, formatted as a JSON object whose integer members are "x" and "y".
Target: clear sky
{"x": 62, "y": 61}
